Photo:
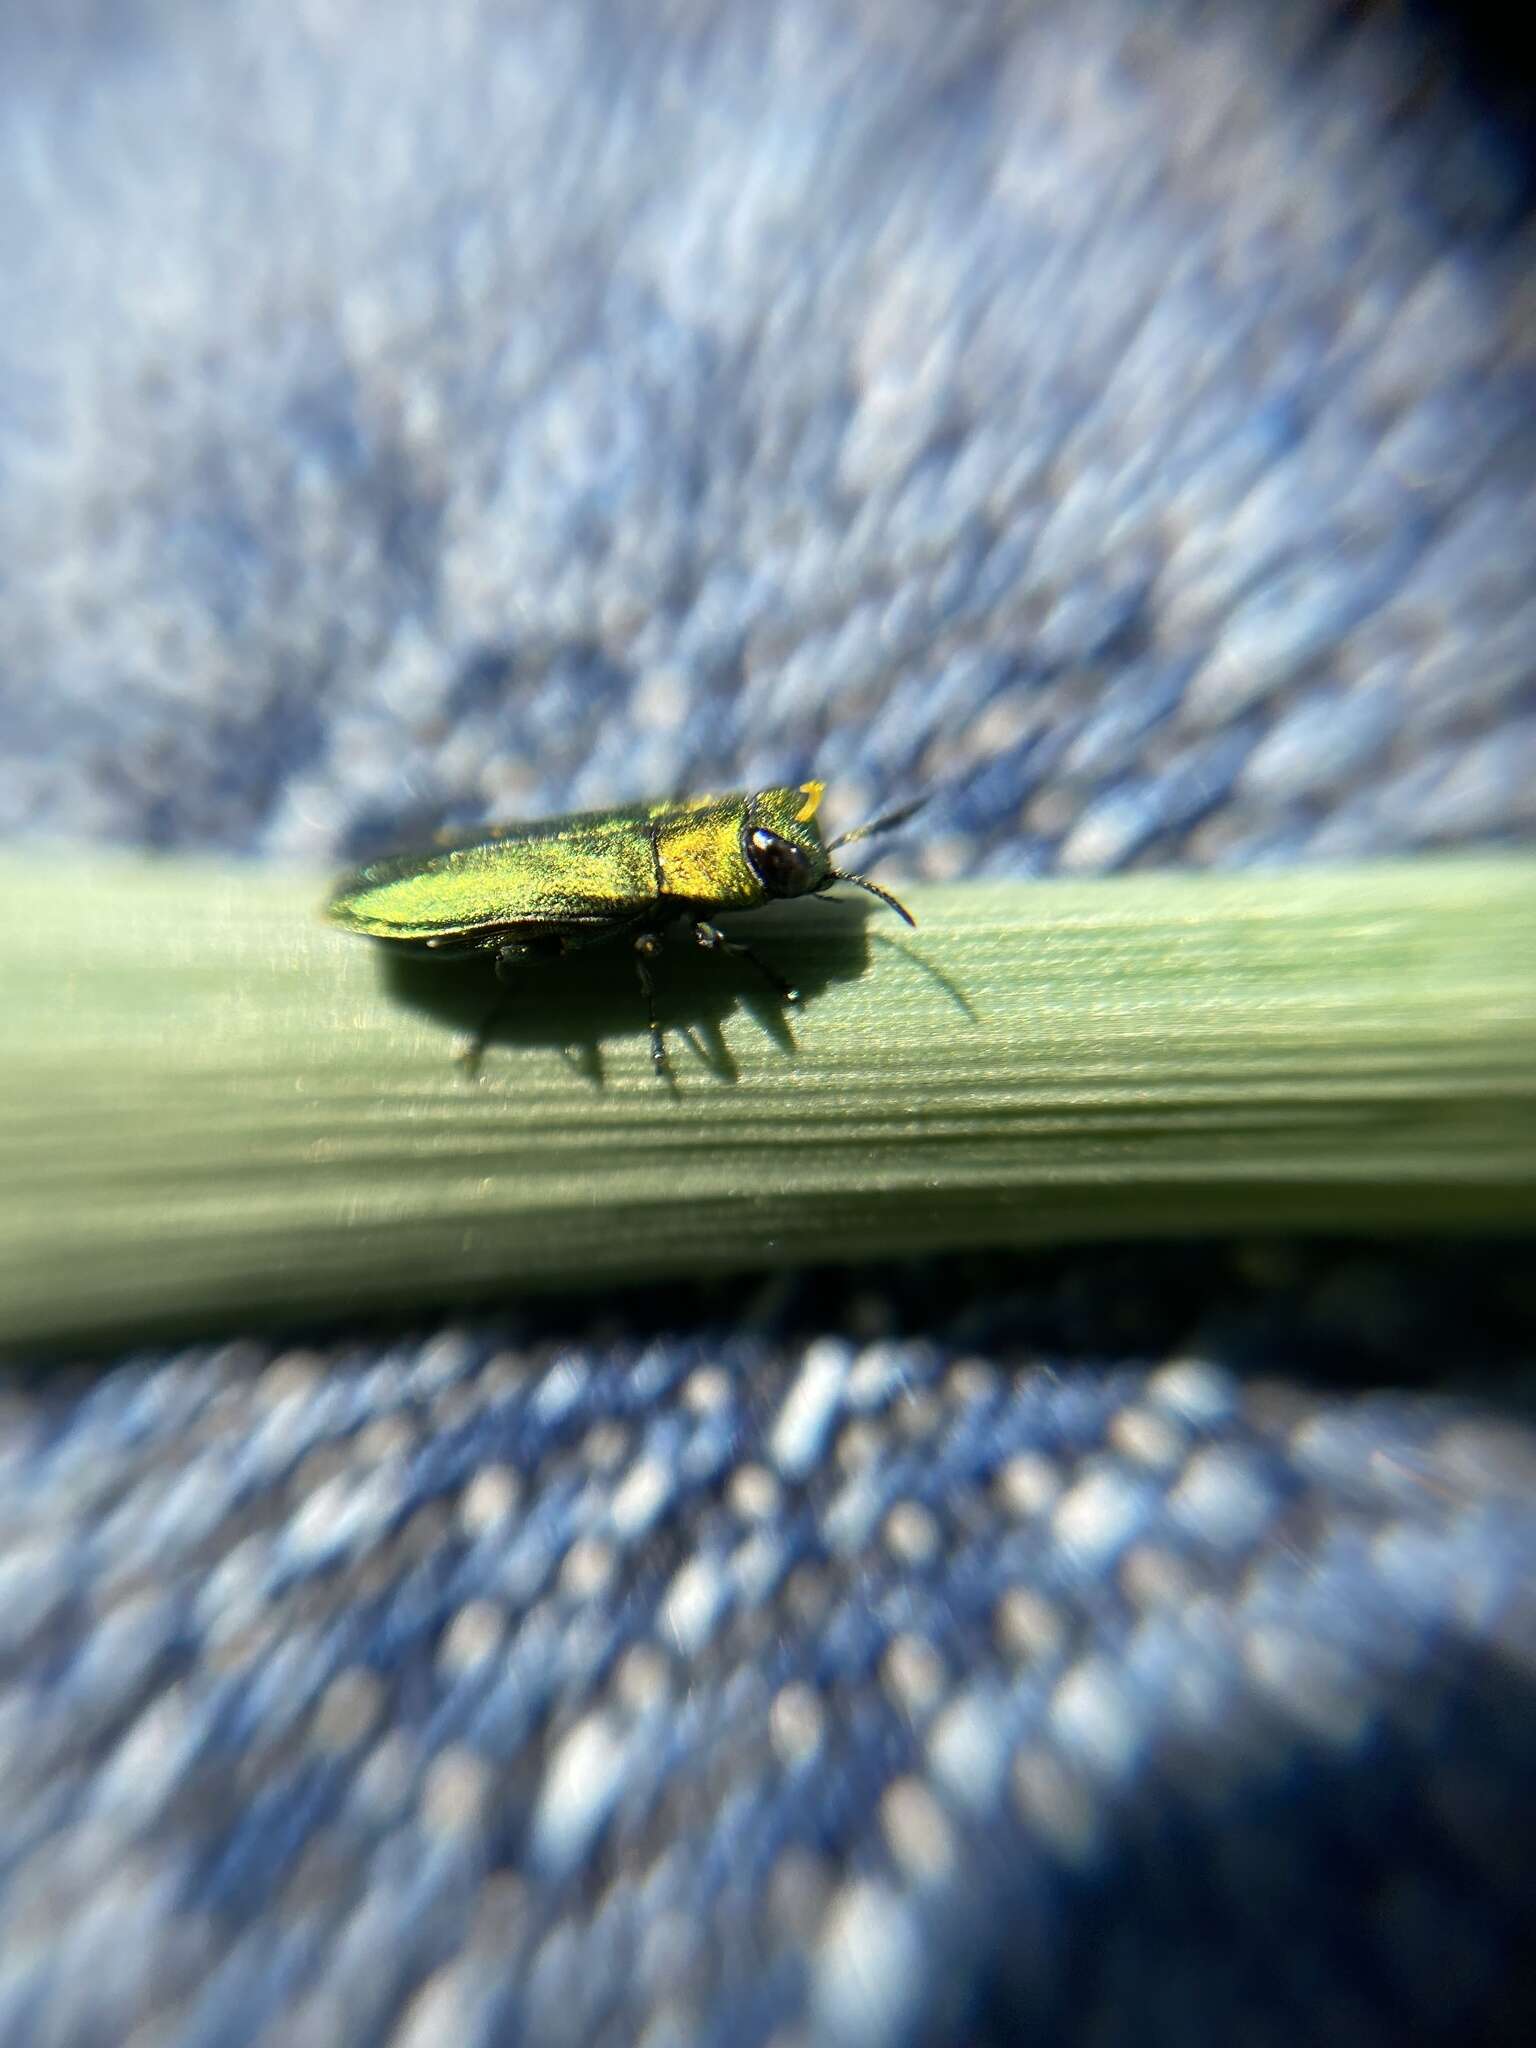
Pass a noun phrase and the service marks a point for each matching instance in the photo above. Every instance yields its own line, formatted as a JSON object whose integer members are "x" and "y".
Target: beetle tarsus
{"x": 647, "y": 946}
{"x": 713, "y": 940}
{"x": 471, "y": 1055}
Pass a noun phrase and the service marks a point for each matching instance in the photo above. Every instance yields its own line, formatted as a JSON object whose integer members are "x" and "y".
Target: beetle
{"x": 539, "y": 890}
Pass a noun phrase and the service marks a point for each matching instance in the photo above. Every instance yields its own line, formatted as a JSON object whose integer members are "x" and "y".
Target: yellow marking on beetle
{"x": 675, "y": 806}
{"x": 812, "y": 792}
{"x": 701, "y": 859}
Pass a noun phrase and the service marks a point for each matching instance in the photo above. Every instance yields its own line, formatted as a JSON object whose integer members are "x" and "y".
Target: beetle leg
{"x": 509, "y": 957}
{"x": 713, "y": 940}
{"x": 469, "y": 1056}
{"x": 647, "y": 946}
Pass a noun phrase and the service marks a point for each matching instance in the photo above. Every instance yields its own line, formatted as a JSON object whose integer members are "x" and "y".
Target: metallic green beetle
{"x": 520, "y": 892}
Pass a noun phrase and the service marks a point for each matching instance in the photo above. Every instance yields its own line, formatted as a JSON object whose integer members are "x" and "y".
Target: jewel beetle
{"x": 525, "y": 892}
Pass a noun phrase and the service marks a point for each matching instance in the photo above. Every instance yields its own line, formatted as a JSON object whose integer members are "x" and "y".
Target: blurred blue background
{"x": 1119, "y": 420}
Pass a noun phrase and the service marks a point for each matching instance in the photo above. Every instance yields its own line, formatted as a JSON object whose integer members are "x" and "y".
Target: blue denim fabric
{"x": 1118, "y": 419}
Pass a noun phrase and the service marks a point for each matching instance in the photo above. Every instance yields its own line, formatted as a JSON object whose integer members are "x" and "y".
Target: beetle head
{"x": 785, "y": 850}
{"x": 782, "y": 841}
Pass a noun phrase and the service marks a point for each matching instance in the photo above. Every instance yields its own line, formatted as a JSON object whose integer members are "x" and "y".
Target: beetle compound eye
{"x": 780, "y": 865}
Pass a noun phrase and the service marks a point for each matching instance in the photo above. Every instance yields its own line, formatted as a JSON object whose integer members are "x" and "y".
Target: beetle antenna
{"x": 874, "y": 888}
{"x": 888, "y": 823}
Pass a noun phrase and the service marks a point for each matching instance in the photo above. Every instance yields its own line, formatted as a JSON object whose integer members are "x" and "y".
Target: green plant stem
{"x": 215, "y": 1110}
